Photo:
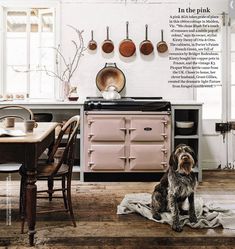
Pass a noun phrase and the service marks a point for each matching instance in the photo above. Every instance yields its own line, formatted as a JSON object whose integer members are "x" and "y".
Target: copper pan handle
{"x": 146, "y": 32}
{"x": 127, "y": 31}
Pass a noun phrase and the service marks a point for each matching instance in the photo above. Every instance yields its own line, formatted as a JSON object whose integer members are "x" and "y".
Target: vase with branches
{"x": 65, "y": 69}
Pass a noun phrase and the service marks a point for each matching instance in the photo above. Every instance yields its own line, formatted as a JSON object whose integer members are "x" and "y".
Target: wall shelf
{"x": 186, "y": 137}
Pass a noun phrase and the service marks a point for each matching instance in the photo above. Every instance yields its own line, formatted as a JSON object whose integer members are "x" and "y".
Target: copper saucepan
{"x": 146, "y": 46}
{"x": 127, "y": 46}
{"x": 162, "y": 45}
{"x": 92, "y": 45}
{"x": 107, "y": 45}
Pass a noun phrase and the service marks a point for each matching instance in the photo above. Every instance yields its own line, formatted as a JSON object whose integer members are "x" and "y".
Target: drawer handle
{"x": 132, "y": 129}
{"x": 91, "y": 163}
{"x": 123, "y": 129}
{"x": 164, "y": 164}
{"x": 165, "y": 122}
{"x": 131, "y": 157}
{"x": 90, "y": 151}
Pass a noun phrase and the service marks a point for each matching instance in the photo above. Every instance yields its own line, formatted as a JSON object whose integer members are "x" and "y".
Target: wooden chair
{"x": 57, "y": 168}
{"x": 13, "y": 167}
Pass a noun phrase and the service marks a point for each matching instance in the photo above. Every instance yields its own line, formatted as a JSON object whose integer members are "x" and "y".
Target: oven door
{"x": 150, "y": 157}
{"x": 148, "y": 128}
{"x": 106, "y": 128}
{"x": 108, "y": 157}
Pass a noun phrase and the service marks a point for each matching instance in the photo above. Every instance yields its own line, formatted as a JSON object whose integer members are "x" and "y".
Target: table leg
{"x": 31, "y": 199}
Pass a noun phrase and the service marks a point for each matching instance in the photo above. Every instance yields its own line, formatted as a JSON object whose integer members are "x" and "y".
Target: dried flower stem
{"x": 69, "y": 67}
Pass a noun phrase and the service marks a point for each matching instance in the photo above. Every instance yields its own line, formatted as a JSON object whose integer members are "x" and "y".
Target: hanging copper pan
{"x": 110, "y": 75}
{"x": 92, "y": 45}
{"x": 127, "y": 46}
{"x": 162, "y": 45}
{"x": 146, "y": 46}
{"x": 107, "y": 45}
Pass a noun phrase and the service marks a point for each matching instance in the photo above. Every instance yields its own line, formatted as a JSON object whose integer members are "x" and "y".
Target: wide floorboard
{"x": 98, "y": 225}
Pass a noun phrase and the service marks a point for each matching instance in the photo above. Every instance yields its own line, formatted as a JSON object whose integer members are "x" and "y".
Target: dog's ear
{"x": 173, "y": 161}
{"x": 194, "y": 156}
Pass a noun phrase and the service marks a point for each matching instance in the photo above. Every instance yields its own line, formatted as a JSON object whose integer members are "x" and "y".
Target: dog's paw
{"x": 193, "y": 218}
{"x": 157, "y": 216}
{"x": 176, "y": 227}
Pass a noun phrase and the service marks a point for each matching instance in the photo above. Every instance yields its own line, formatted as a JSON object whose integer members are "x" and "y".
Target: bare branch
{"x": 48, "y": 72}
{"x": 60, "y": 54}
{"x": 57, "y": 62}
{"x": 81, "y": 50}
{"x": 68, "y": 68}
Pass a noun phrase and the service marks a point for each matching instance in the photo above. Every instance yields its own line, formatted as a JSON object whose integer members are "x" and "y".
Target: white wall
{"x": 145, "y": 76}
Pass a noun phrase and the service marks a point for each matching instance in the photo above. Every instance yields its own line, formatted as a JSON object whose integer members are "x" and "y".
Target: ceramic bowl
{"x": 184, "y": 124}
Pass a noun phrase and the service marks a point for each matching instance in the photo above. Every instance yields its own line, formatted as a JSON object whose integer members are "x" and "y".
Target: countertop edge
{"x": 76, "y": 104}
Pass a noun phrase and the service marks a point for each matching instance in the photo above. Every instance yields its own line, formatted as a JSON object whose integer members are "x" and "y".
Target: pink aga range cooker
{"x": 127, "y": 135}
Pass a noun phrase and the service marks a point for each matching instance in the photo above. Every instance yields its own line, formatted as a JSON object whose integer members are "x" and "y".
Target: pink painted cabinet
{"x": 130, "y": 142}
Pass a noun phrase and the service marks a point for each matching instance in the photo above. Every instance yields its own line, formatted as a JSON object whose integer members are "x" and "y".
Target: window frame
{"x": 25, "y": 5}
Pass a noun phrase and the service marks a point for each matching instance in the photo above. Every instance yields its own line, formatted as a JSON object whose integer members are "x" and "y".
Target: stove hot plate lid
{"x": 128, "y": 104}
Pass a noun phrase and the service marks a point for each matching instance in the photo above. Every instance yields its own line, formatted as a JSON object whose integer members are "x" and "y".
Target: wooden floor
{"x": 98, "y": 226}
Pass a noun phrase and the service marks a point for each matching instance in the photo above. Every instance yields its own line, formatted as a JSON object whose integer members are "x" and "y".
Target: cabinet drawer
{"x": 147, "y": 157}
{"x": 106, "y": 157}
{"x": 106, "y": 128}
{"x": 147, "y": 129}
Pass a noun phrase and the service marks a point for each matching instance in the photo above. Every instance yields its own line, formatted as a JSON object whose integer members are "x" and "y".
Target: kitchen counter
{"x": 46, "y": 104}
{"x": 54, "y": 104}
{"x": 185, "y": 102}
{"x": 66, "y": 109}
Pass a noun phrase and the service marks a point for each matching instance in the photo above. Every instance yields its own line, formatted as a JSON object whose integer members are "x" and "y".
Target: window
{"x": 29, "y": 38}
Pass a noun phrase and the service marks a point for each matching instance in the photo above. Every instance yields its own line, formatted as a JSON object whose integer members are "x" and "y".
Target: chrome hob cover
{"x": 144, "y": 104}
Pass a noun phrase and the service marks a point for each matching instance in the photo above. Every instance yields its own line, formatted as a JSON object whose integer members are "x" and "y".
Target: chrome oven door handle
{"x": 131, "y": 129}
{"x": 131, "y": 158}
{"x": 90, "y": 122}
{"x": 165, "y": 122}
{"x": 123, "y": 129}
{"x": 164, "y": 164}
{"x": 90, "y": 135}
{"x": 123, "y": 158}
{"x": 164, "y": 135}
{"x": 164, "y": 151}
{"x": 90, "y": 164}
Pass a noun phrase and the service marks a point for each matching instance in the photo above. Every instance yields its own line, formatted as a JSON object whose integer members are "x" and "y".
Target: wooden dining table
{"x": 27, "y": 149}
